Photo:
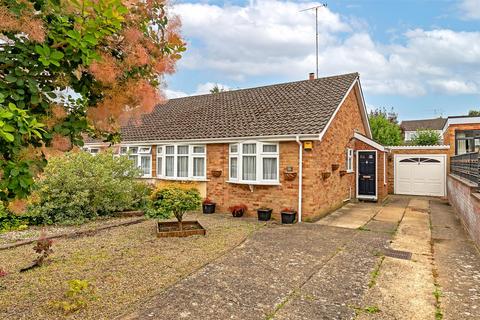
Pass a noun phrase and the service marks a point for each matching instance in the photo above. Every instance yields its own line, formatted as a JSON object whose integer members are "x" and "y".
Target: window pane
{"x": 198, "y": 149}
{"x": 198, "y": 167}
{"x": 233, "y": 168}
{"x": 182, "y": 166}
{"x": 249, "y": 170}
{"x": 145, "y": 165}
{"x": 269, "y": 148}
{"x": 133, "y": 150}
{"x": 169, "y": 163}
{"x": 169, "y": 149}
{"x": 134, "y": 159}
{"x": 123, "y": 150}
{"x": 233, "y": 148}
{"x": 144, "y": 150}
{"x": 249, "y": 148}
{"x": 182, "y": 149}
{"x": 94, "y": 150}
{"x": 159, "y": 166}
{"x": 270, "y": 168}
{"x": 159, "y": 149}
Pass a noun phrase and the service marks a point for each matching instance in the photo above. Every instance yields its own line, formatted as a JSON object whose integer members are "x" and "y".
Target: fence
{"x": 466, "y": 166}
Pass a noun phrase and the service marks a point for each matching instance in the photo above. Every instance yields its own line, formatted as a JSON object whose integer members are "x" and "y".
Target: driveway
{"x": 336, "y": 269}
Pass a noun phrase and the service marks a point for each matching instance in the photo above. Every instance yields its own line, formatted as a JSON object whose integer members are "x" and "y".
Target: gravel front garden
{"x": 122, "y": 267}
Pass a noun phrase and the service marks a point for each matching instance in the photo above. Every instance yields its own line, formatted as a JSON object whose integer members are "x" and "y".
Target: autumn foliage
{"x": 75, "y": 67}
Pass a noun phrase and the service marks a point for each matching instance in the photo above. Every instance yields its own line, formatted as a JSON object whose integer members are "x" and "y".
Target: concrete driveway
{"x": 333, "y": 269}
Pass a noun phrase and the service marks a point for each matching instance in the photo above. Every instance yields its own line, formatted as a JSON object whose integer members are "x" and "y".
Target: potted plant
{"x": 238, "y": 210}
{"x": 208, "y": 206}
{"x": 264, "y": 213}
{"x": 288, "y": 216}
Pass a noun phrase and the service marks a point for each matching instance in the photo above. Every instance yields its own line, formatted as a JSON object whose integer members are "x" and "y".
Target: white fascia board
{"x": 369, "y": 141}
{"x": 418, "y": 147}
{"x": 303, "y": 137}
{"x": 462, "y": 120}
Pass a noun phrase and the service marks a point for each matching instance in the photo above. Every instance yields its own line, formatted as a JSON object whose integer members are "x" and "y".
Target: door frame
{"x": 412, "y": 155}
{"x": 375, "y": 197}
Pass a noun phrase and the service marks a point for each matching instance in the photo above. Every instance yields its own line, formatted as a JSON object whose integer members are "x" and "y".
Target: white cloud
{"x": 470, "y": 9}
{"x": 273, "y": 38}
{"x": 202, "y": 88}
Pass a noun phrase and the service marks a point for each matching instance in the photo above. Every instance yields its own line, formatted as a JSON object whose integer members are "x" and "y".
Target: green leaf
{"x": 8, "y": 136}
{"x": 57, "y": 55}
{"x": 10, "y": 78}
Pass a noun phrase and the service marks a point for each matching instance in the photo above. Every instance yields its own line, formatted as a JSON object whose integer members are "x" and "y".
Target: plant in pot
{"x": 264, "y": 213}
{"x": 288, "y": 215}
{"x": 208, "y": 206}
{"x": 238, "y": 210}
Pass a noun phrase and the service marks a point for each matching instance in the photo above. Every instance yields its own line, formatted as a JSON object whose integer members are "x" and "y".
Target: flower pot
{"x": 238, "y": 213}
{"x": 208, "y": 208}
{"x": 288, "y": 217}
{"x": 264, "y": 214}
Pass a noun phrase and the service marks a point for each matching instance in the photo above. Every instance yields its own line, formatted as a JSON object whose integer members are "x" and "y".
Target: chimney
{"x": 311, "y": 76}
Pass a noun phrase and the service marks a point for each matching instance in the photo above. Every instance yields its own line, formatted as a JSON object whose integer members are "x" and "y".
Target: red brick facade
{"x": 325, "y": 187}
{"x": 449, "y": 134}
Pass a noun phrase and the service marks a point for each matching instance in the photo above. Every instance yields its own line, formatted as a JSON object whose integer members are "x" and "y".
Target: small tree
{"x": 384, "y": 130}
{"x": 426, "y": 138}
{"x": 217, "y": 89}
{"x": 474, "y": 113}
{"x": 176, "y": 201}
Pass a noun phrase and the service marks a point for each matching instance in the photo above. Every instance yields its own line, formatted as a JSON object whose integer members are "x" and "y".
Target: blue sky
{"x": 420, "y": 57}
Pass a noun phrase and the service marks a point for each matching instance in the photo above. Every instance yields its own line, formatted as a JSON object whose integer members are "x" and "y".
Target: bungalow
{"x": 304, "y": 145}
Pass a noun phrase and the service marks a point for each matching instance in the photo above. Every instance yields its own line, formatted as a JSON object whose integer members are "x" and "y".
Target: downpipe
{"x": 300, "y": 177}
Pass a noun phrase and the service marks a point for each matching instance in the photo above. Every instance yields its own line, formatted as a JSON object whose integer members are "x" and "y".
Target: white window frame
{"x": 141, "y": 151}
{"x": 191, "y": 156}
{"x": 91, "y": 150}
{"x": 349, "y": 160}
{"x": 260, "y": 155}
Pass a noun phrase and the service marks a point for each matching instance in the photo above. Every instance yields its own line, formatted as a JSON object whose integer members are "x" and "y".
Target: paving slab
{"x": 457, "y": 263}
{"x": 351, "y": 216}
{"x": 404, "y": 288}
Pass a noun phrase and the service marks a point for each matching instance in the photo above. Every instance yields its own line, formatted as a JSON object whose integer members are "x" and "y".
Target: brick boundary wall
{"x": 465, "y": 199}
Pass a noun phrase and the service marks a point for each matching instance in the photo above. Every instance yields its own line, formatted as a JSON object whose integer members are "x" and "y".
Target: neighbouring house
{"x": 423, "y": 170}
{"x": 304, "y": 145}
{"x": 410, "y": 127}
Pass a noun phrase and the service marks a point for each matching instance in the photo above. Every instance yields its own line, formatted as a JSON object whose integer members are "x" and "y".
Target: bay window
{"x": 255, "y": 162}
{"x": 183, "y": 162}
{"x": 141, "y": 157}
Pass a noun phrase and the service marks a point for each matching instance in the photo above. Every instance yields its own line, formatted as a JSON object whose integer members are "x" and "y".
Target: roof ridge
{"x": 266, "y": 86}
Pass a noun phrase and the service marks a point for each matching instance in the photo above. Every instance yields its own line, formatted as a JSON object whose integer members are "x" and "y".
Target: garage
{"x": 420, "y": 174}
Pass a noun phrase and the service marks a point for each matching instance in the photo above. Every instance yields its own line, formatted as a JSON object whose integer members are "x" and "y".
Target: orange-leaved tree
{"x": 70, "y": 67}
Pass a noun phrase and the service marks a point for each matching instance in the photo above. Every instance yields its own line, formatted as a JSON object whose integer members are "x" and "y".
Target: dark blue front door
{"x": 367, "y": 180}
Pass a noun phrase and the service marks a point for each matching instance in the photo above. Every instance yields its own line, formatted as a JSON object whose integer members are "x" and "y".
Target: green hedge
{"x": 78, "y": 186}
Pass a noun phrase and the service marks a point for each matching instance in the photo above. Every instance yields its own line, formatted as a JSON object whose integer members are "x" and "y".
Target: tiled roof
{"x": 302, "y": 107}
{"x": 414, "y": 125}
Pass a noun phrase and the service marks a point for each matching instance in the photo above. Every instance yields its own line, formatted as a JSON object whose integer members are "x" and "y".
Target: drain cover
{"x": 405, "y": 255}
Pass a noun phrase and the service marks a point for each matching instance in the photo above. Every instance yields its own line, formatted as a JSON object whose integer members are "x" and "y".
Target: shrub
{"x": 208, "y": 201}
{"x": 78, "y": 294}
{"x": 10, "y": 221}
{"x": 174, "y": 200}
{"x": 77, "y": 187}
{"x": 426, "y": 138}
{"x": 43, "y": 248}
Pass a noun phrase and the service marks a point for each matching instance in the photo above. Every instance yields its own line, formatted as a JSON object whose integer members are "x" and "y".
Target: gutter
{"x": 300, "y": 177}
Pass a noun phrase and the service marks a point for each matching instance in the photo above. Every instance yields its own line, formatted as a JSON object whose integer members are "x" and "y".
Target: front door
{"x": 367, "y": 174}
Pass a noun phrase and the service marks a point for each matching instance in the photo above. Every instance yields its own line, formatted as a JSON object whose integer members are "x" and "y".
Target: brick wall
{"x": 391, "y": 162}
{"x": 226, "y": 194}
{"x": 449, "y": 135}
{"x": 320, "y": 195}
{"x": 466, "y": 202}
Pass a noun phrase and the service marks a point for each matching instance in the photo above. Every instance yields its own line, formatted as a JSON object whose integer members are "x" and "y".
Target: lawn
{"x": 124, "y": 265}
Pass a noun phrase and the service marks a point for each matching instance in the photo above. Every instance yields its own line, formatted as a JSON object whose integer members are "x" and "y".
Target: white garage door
{"x": 420, "y": 174}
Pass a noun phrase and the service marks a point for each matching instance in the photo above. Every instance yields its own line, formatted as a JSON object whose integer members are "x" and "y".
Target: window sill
{"x": 350, "y": 171}
{"x": 183, "y": 179}
{"x": 256, "y": 183}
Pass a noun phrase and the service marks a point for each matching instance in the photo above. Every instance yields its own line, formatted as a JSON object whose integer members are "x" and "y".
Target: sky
{"x": 421, "y": 58}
